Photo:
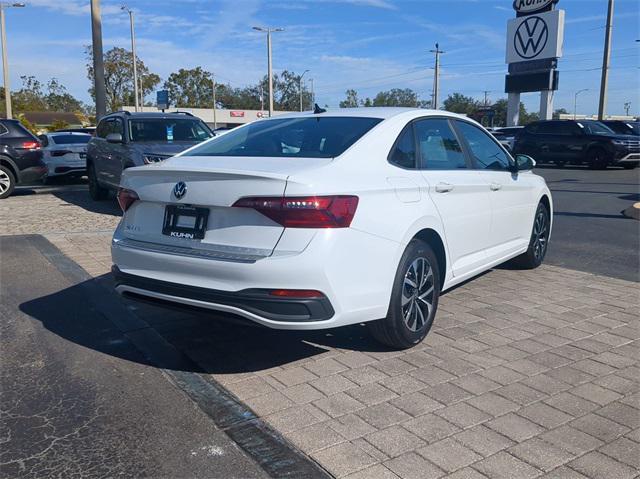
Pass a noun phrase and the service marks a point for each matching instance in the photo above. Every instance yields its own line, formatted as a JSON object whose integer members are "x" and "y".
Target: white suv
{"x": 317, "y": 220}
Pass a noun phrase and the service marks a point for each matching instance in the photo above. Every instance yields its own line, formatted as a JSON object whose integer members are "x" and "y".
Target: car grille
{"x": 632, "y": 145}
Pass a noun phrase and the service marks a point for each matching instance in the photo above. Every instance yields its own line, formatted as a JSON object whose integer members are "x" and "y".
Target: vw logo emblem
{"x": 531, "y": 37}
{"x": 180, "y": 189}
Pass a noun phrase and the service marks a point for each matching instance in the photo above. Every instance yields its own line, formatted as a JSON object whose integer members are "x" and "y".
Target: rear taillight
{"x": 126, "y": 198}
{"x": 305, "y": 212}
{"x": 60, "y": 152}
{"x": 30, "y": 145}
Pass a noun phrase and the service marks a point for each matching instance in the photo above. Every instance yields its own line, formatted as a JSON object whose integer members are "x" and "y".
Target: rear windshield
{"x": 167, "y": 130}
{"x": 70, "y": 139}
{"x": 312, "y": 137}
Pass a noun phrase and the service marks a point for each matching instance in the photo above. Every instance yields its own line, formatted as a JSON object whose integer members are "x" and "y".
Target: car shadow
{"x": 82, "y": 199}
{"x": 215, "y": 343}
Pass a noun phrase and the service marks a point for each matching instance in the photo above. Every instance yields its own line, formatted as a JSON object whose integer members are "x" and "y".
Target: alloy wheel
{"x": 5, "y": 182}
{"x": 417, "y": 294}
{"x": 540, "y": 235}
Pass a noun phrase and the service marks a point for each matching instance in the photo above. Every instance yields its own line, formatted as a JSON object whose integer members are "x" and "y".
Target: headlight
{"x": 149, "y": 158}
{"x": 619, "y": 142}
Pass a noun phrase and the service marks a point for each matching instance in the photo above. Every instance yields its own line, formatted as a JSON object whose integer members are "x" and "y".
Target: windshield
{"x": 596, "y": 128}
{"x": 167, "y": 130}
{"x": 635, "y": 127}
{"x": 70, "y": 139}
{"x": 308, "y": 137}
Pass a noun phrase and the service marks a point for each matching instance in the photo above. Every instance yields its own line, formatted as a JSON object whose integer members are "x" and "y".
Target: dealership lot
{"x": 525, "y": 373}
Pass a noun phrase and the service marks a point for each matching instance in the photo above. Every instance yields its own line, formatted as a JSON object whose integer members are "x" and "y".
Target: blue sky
{"x": 368, "y": 45}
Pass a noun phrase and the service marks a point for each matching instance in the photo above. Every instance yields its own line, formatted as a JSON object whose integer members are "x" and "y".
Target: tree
{"x": 459, "y": 103}
{"x": 397, "y": 97}
{"x": 190, "y": 88}
{"x": 118, "y": 74}
{"x": 58, "y": 99}
{"x": 27, "y": 124}
{"x": 351, "y": 101}
{"x": 30, "y": 97}
{"x": 558, "y": 112}
{"x": 58, "y": 125}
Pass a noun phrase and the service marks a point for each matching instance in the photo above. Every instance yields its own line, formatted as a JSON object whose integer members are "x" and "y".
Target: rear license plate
{"x": 186, "y": 222}
{"x": 82, "y": 154}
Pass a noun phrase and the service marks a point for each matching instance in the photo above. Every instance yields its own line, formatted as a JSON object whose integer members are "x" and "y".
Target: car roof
{"x": 382, "y": 113}
{"x": 152, "y": 115}
{"x": 66, "y": 133}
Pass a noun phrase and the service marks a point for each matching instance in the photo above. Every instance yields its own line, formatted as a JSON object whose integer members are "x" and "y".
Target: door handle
{"x": 443, "y": 187}
{"x": 495, "y": 186}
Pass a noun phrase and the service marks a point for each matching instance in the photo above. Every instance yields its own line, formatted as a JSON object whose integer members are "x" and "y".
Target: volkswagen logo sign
{"x": 180, "y": 189}
{"x": 531, "y": 37}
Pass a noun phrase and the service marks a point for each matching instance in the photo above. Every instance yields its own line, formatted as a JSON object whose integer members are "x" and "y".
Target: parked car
{"x": 623, "y": 127}
{"x": 507, "y": 135}
{"x": 323, "y": 219}
{"x": 65, "y": 154}
{"x": 89, "y": 130}
{"x": 577, "y": 142}
{"x": 124, "y": 139}
{"x": 20, "y": 157}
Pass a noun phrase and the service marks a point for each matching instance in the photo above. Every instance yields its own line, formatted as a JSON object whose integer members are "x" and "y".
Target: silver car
{"x": 64, "y": 153}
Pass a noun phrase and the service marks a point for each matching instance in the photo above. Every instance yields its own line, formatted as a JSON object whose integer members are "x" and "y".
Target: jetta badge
{"x": 180, "y": 189}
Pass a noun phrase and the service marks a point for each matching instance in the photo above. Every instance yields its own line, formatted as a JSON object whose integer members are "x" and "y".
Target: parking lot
{"x": 525, "y": 373}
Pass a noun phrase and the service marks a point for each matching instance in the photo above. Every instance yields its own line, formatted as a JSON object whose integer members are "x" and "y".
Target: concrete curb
{"x": 633, "y": 211}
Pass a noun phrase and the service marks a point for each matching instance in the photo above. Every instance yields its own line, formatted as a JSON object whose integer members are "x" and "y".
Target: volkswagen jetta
{"x": 324, "y": 219}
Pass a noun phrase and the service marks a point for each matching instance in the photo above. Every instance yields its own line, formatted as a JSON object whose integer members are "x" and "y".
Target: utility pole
{"x": 605, "y": 63}
{"x": 5, "y": 63}
{"x": 486, "y": 97}
{"x": 269, "y": 31}
{"x": 98, "y": 62}
{"x": 213, "y": 81}
{"x": 627, "y": 107}
{"x": 313, "y": 94}
{"x": 300, "y": 87}
{"x": 134, "y": 58}
{"x": 436, "y": 76}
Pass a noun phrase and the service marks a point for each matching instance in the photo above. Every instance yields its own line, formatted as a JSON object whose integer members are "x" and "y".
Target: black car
{"x": 125, "y": 139}
{"x": 20, "y": 157}
{"x": 624, "y": 127}
{"x": 577, "y": 142}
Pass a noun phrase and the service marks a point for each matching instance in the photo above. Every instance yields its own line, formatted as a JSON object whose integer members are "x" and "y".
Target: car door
{"x": 458, "y": 192}
{"x": 118, "y": 152}
{"x": 511, "y": 194}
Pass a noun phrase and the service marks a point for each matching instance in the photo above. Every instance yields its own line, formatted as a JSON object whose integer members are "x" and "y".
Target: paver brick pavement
{"x": 525, "y": 373}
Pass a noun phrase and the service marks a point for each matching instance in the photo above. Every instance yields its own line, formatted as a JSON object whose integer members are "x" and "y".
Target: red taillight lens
{"x": 30, "y": 145}
{"x": 296, "y": 293}
{"x": 126, "y": 198}
{"x": 305, "y": 212}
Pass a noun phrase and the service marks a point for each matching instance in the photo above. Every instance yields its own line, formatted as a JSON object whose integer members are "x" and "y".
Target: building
{"x": 42, "y": 120}
{"x": 223, "y": 119}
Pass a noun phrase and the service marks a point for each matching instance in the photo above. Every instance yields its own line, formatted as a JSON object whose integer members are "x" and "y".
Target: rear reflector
{"x": 126, "y": 198}
{"x": 305, "y": 212}
{"x": 296, "y": 293}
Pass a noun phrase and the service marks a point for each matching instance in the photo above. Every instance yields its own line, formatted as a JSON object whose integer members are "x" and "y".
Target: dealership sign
{"x": 530, "y": 6}
{"x": 535, "y": 37}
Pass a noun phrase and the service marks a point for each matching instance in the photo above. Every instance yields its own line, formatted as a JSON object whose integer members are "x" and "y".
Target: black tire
{"x": 630, "y": 166}
{"x": 408, "y": 324}
{"x": 96, "y": 191}
{"x": 539, "y": 242}
{"x": 7, "y": 182}
{"x": 597, "y": 159}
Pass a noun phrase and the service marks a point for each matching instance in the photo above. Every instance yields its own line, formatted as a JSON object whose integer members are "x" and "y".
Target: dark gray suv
{"x": 124, "y": 139}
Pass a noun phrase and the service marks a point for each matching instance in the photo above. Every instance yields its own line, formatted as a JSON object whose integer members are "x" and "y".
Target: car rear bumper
{"x": 353, "y": 270}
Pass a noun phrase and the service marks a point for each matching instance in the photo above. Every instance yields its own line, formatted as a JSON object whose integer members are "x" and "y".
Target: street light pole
{"x": 313, "y": 94}
{"x": 134, "y": 57}
{"x": 269, "y": 31}
{"x": 300, "y": 87}
{"x": 436, "y": 76}
{"x": 5, "y": 63}
{"x": 575, "y": 101}
{"x": 98, "y": 60}
{"x": 215, "y": 122}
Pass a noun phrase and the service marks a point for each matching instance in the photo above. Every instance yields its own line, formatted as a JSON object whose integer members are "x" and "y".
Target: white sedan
{"x": 65, "y": 153}
{"x": 324, "y": 219}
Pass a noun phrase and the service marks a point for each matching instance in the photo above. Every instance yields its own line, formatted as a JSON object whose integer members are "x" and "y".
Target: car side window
{"x": 43, "y": 140}
{"x": 485, "y": 151}
{"x": 3, "y": 130}
{"x": 438, "y": 146}
{"x": 117, "y": 127}
{"x": 403, "y": 153}
{"x": 566, "y": 128}
{"x": 103, "y": 129}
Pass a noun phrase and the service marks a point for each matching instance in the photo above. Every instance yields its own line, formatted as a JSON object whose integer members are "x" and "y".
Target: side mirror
{"x": 524, "y": 163}
{"x": 114, "y": 138}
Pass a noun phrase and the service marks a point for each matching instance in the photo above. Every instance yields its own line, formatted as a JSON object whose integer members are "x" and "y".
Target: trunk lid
{"x": 215, "y": 183}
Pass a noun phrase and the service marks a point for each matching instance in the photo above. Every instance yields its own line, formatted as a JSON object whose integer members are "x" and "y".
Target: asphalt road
{"x": 589, "y": 231}
{"x": 79, "y": 399}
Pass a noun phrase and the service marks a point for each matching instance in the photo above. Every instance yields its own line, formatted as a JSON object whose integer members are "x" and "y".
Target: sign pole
{"x": 546, "y": 104}
{"x": 513, "y": 109}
